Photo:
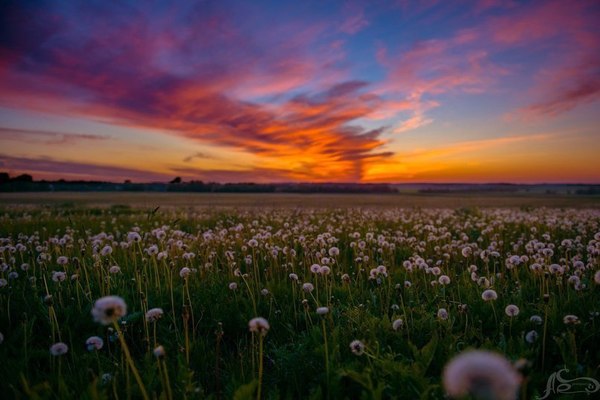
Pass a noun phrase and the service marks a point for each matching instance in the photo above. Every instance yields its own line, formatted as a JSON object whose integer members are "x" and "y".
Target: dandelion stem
{"x": 130, "y": 361}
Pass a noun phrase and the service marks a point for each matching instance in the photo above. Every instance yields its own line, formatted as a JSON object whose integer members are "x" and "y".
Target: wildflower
{"x": 106, "y": 250}
{"x": 62, "y": 260}
{"x": 233, "y": 286}
{"x": 308, "y": 287}
{"x": 106, "y": 378}
{"x": 115, "y": 269}
{"x": 133, "y": 237}
{"x": 322, "y": 310}
{"x": 489, "y": 295}
{"x": 94, "y": 343}
{"x": 58, "y": 276}
{"x": 531, "y": 336}
{"x": 444, "y": 280}
{"x": 442, "y": 314}
{"x": 159, "y": 351}
{"x": 397, "y": 324}
{"x": 185, "y": 272}
{"x": 571, "y": 319}
{"x": 483, "y": 374}
{"x": 293, "y": 277}
{"x": 324, "y": 270}
{"x": 346, "y": 278}
{"x": 536, "y": 319}
{"x": 357, "y": 347}
{"x": 315, "y": 268}
{"x": 259, "y": 325}
{"x": 511, "y": 310}
{"x": 407, "y": 284}
{"x": 597, "y": 277}
{"x": 109, "y": 309}
{"x": 264, "y": 292}
{"x": 154, "y": 314}
{"x": 58, "y": 349}
{"x": 334, "y": 251}
{"x": 3, "y": 282}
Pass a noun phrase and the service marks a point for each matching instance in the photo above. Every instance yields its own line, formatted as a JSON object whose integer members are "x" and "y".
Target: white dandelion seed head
{"x": 58, "y": 349}
{"x": 259, "y": 325}
{"x": 185, "y": 272}
{"x": 531, "y": 337}
{"x": 489, "y": 295}
{"x": 293, "y": 277}
{"x": 109, "y": 309}
{"x": 511, "y": 310}
{"x": 322, "y": 310}
{"x": 62, "y": 260}
{"x": 159, "y": 351}
{"x": 58, "y": 276}
{"x": 154, "y": 314}
{"x": 315, "y": 268}
{"x": 397, "y": 324}
{"x": 94, "y": 343}
{"x": 442, "y": 314}
{"x": 308, "y": 287}
{"x": 233, "y": 286}
{"x": 536, "y": 319}
{"x": 444, "y": 280}
{"x": 115, "y": 269}
{"x": 357, "y": 347}
{"x": 324, "y": 270}
{"x": 597, "y": 277}
{"x": 571, "y": 319}
{"x": 483, "y": 374}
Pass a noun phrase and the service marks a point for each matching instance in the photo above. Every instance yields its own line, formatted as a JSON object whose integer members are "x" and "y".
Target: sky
{"x": 301, "y": 91}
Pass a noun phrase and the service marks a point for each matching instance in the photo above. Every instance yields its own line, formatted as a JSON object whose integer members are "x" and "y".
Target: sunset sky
{"x": 281, "y": 91}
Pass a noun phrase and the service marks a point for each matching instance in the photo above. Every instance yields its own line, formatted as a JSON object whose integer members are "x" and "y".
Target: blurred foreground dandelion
{"x": 109, "y": 309}
{"x": 483, "y": 374}
{"x": 357, "y": 347}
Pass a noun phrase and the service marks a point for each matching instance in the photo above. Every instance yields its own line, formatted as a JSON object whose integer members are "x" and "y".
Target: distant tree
{"x": 23, "y": 178}
{"x": 4, "y": 177}
{"x": 176, "y": 180}
{"x": 127, "y": 181}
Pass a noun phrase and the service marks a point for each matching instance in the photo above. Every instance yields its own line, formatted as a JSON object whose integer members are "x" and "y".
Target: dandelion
{"x": 154, "y": 314}
{"x": 233, "y": 286}
{"x": 115, "y": 269}
{"x": 597, "y": 277}
{"x": 106, "y": 251}
{"x": 357, "y": 347}
{"x": 58, "y": 349}
{"x": 94, "y": 343}
{"x": 489, "y": 295}
{"x": 3, "y": 282}
{"x": 324, "y": 270}
{"x": 264, "y": 292}
{"x": 536, "y": 319}
{"x": 397, "y": 324}
{"x": 185, "y": 272}
{"x": 511, "y": 310}
{"x": 259, "y": 325}
{"x": 315, "y": 268}
{"x": 58, "y": 276}
{"x": 444, "y": 280}
{"x": 159, "y": 351}
{"x": 531, "y": 337}
{"x": 442, "y": 314}
{"x": 62, "y": 260}
{"x": 293, "y": 277}
{"x": 322, "y": 310}
{"x": 483, "y": 374}
{"x": 571, "y": 319}
{"x": 109, "y": 309}
{"x": 308, "y": 287}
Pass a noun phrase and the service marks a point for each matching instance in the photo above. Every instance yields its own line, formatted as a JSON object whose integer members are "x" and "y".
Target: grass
{"x": 209, "y": 351}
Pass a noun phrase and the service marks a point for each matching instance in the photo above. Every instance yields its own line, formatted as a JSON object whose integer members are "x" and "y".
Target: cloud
{"x": 46, "y": 137}
{"x": 198, "y": 154}
{"x": 49, "y": 168}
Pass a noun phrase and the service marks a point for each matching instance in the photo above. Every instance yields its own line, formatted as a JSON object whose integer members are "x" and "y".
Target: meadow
{"x": 121, "y": 296}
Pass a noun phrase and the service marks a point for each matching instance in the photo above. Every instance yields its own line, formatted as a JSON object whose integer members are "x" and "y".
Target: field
{"x": 358, "y": 297}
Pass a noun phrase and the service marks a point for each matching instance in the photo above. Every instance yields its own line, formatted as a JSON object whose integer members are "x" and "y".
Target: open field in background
{"x": 152, "y": 200}
{"x": 363, "y": 296}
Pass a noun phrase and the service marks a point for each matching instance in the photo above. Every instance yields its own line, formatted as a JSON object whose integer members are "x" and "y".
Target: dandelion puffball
{"x": 154, "y": 314}
{"x": 109, "y": 309}
{"x": 489, "y": 295}
{"x": 357, "y": 347}
{"x": 259, "y": 325}
{"x": 397, "y": 324}
{"x": 94, "y": 343}
{"x": 483, "y": 374}
{"x": 511, "y": 310}
{"x": 322, "y": 310}
{"x": 58, "y": 349}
